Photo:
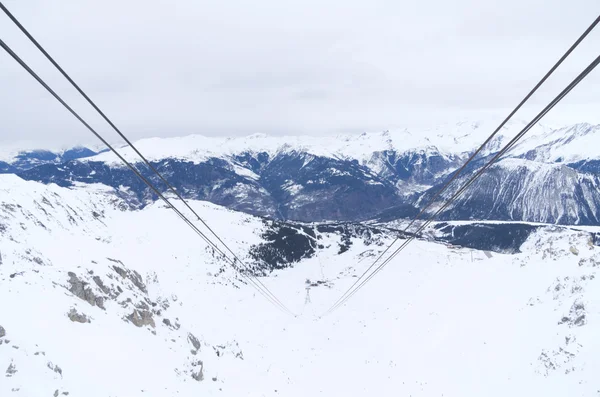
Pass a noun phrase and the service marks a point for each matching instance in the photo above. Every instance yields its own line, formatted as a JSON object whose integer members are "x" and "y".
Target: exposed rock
{"x": 2, "y": 332}
{"x": 137, "y": 280}
{"x": 140, "y": 318}
{"x": 78, "y": 317}
{"x": 120, "y": 271}
{"x": 101, "y": 285}
{"x": 82, "y": 290}
{"x": 100, "y": 302}
{"x": 11, "y": 370}
{"x": 576, "y": 317}
{"x": 54, "y": 368}
{"x": 133, "y": 276}
{"x": 199, "y": 374}
{"x": 195, "y": 343}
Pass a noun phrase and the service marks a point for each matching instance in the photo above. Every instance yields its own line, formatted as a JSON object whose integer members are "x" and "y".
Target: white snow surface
{"x": 438, "y": 321}
{"x": 567, "y": 145}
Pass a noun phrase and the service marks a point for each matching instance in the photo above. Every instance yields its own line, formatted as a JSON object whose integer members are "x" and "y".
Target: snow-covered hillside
{"x": 564, "y": 145}
{"x": 517, "y": 189}
{"x": 100, "y": 300}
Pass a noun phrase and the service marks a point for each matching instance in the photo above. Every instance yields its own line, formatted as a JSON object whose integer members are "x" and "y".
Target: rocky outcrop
{"x": 198, "y": 372}
{"x": 78, "y": 317}
{"x": 131, "y": 275}
{"x": 141, "y": 318}
{"x": 54, "y": 368}
{"x": 81, "y": 289}
{"x": 11, "y": 370}
{"x": 194, "y": 342}
{"x": 576, "y": 316}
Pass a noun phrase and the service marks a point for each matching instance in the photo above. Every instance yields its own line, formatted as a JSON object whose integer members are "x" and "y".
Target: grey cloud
{"x": 237, "y": 67}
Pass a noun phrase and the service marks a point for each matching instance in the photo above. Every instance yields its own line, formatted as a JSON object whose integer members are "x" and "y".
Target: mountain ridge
{"x": 351, "y": 178}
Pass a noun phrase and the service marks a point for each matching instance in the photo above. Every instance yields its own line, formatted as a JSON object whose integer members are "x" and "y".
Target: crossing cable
{"x": 114, "y": 127}
{"x": 474, "y": 155}
{"x": 504, "y": 150}
{"x": 253, "y": 280}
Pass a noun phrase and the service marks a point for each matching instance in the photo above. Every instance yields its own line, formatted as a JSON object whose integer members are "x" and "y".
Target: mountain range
{"x": 105, "y": 292}
{"x": 551, "y": 176}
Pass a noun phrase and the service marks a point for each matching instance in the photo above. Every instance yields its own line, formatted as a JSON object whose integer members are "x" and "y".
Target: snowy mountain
{"x": 382, "y": 176}
{"x": 518, "y": 189}
{"x": 16, "y": 160}
{"x": 100, "y": 299}
{"x": 564, "y": 145}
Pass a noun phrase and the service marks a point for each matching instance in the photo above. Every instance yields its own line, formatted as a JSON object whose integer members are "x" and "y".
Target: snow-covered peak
{"x": 567, "y": 144}
{"x": 450, "y": 138}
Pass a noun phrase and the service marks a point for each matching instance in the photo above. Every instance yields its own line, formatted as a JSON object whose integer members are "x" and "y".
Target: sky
{"x": 288, "y": 67}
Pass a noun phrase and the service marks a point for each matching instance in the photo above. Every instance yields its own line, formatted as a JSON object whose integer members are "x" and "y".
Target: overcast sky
{"x": 237, "y": 67}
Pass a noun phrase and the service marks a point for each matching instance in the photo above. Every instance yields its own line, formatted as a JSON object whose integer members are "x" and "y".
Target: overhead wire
{"x": 114, "y": 127}
{"x": 471, "y": 158}
{"x": 462, "y": 189}
{"x": 253, "y": 280}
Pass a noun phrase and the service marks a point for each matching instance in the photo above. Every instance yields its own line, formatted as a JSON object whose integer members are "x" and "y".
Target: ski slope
{"x": 437, "y": 321}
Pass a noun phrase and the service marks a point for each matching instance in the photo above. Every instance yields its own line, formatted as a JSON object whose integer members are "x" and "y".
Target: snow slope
{"x": 566, "y": 145}
{"x": 517, "y": 189}
{"x": 437, "y": 321}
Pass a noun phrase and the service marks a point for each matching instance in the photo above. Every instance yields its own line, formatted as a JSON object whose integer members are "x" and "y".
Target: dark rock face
{"x": 82, "y": 290}
{"x": 2, "y": 332}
